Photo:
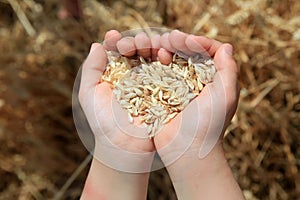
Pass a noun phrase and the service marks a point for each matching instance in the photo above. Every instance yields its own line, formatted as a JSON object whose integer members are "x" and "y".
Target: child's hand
{"x": 191, "y": 148}
{"x": 116, "y": 152}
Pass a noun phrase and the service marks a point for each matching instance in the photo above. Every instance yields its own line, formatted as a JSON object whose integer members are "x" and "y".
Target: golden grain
{"x": 155, "y": 91}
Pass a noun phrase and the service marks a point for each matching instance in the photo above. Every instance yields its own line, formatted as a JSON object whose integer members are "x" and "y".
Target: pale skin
{"x": 208, "y": 178}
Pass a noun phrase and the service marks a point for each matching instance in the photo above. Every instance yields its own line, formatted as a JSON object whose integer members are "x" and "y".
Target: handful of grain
{"x": 154, "y": 91}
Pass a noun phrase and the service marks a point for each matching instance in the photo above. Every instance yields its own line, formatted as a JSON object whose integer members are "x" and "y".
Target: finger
{"x": 164, "y": 56}
{"x": 155, "y": 44}
{"x": 126, "y": 46}
{"x": 201, "y": 44}
{"x": 110, "y": 40}
{"x": 165, "y": 43}
{"x": 227, "y": 71}
{"x": 93, "y": 67}
{"x": 143, "y": 45}
{"x": 177, "y": 40}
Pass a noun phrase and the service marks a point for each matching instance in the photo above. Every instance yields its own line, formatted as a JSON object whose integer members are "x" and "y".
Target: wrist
{"x": 106, "y": 183}
{"x": 208, "y": 178}
{"x": 189, "y": 166}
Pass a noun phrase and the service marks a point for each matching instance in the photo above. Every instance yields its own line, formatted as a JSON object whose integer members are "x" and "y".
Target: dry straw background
{"x": 40, "y": 149}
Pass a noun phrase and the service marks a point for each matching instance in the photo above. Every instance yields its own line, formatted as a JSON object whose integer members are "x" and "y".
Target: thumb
{"x": 93, "y": 67}
{"x": 223, "y": 93}
{"x": 227, "y": 74}
{"x": 224, "y": 60}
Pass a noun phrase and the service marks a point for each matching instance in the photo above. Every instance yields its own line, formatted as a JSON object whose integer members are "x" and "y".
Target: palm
{"x": 191, "y": 124}
{"x": 107, "y": 121}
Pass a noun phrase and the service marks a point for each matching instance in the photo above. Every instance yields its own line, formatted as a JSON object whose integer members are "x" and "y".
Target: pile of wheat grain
{"x": 154, "y": 91}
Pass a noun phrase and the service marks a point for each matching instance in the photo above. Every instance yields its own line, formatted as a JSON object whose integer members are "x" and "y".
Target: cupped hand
{"x": 199, "y": 128}
{"x": 191, "y": 144}
{"x": 113, "y": 147}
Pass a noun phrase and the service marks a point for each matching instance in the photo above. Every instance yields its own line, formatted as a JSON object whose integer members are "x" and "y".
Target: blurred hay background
{"x": 40, "y": 149}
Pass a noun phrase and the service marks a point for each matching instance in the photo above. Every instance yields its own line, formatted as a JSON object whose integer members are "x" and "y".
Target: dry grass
{"x": 38, "y": 142}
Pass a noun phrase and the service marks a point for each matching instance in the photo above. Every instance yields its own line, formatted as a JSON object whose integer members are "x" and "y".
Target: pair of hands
{"x": 188, "y": 136}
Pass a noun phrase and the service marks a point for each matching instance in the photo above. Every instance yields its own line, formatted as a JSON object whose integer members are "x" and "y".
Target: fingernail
{"x": 228, "y": 49}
